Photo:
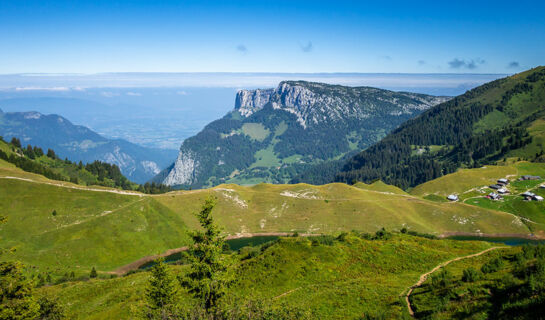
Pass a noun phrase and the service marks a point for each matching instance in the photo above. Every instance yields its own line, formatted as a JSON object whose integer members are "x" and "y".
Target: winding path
{"x": 72, "y": 186}
{"x": 425, "y": 276}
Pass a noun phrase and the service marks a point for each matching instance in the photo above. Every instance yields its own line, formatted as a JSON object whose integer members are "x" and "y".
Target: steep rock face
{"x": 184, "y": 170}
{"x": 250, "y": 101}
{"x": 273, "y": 134}
{"x": 313, "y": 103}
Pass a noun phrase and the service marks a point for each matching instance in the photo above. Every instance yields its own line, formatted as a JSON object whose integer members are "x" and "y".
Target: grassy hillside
{"x": 380, "y": 187}
{"x": 472, "y": 185}
{"x": 66, "y": 227}
{"x": 501, "y": 119}
{"x": 335, "y": 279}
{"x": 507, "y": 284}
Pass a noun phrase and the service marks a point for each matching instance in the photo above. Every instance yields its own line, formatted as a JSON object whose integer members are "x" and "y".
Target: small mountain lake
{"x": 510, "y": 241}
{"x": 234, "y": 245}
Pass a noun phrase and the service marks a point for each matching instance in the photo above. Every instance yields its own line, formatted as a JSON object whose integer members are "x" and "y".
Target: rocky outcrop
{"x": 249, "y": 101}
{"x": 314, "y": 103}
{"x": 184, "y": 169}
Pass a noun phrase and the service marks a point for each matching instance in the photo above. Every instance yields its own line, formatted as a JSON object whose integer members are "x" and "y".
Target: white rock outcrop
{"x": 184, "y": 170}
{"x": 249, "y": 101}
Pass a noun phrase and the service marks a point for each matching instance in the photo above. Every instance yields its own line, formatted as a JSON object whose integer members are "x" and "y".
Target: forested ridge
{"x": 451, "y": 135}
{"x": 50, "y": 165}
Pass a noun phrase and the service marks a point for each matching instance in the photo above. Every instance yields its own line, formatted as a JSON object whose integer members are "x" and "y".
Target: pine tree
{"x": 207, "y": 279}
{"x": 93, "y": 273}
{"x": 160, "y": 293}
{"x": 51, "y": 154}
{"x": 16, "y": 142}
{"x": 16, "y": 292}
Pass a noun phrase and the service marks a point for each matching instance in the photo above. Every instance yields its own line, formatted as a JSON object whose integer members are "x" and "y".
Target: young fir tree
{"x": 93, "y": 273}
{"x": 16, "y": 300}
{"x": 160, "y": 293}
{"x": 207, "y": 278}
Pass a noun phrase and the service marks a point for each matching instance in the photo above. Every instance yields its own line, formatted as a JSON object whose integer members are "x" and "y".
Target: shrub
{"x": 93, "y": 273}
{"x": 323, "y": 240}
{"x": 493, "y": 265}
{"x": 382, "y": 234}
{"x": 470, "y": 275}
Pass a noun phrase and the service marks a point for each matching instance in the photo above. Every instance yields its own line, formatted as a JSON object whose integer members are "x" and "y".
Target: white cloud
{"x": 109, "y": 94}
{"x": 42, "y": 89}
{"x": 182, "y": 93}
{"x": 134, "y": 94}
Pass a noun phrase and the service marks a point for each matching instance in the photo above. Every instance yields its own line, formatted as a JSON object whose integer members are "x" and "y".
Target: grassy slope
{"x": 380, "y": 186}
{"x": 471, "y": 185}
{"x": 502, "y": 294}
{"x": 340, "y": 281}
{"x": 89, "y": 229}
{"x": 334, "y": 208}
{"x": 464, "y": 180}
{"x": 108, "y": 230}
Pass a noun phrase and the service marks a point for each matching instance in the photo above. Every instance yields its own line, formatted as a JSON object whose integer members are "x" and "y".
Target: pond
{"x": 510, "y": 241}
{"x": 234, "y": 245}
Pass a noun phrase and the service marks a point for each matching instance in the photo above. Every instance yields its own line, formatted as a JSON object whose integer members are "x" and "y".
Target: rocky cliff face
{"x": 273, "y": 133}
{"x": 250, "y": 101}
{"x": 313, "y": 103}
{"x": 184, "y": 170}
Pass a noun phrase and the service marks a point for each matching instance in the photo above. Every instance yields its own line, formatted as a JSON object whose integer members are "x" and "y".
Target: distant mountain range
{"x": 499, "y": 120}
{"x": 78, "y": 143}
{"x": 272, "y": 135}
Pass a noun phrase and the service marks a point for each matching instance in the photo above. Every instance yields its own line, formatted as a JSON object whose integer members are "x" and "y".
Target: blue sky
{"x": 271, "y": 36}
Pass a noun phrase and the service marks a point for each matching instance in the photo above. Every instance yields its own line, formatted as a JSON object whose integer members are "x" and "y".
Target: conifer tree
{"x": 93, "y": 273}
{"x": 207, "y": 278}
{"x": 160, "y": 293}
{"x": 16, "y": 301}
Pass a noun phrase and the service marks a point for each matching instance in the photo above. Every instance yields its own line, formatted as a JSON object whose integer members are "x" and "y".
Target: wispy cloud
{"x": 421, "y": 62}
{"x": 134, "y": 94}
{"x": 513, "y": 65}
{"x": 109, "y": 94}
{"x": 42, "y": 89}
{"x": 466, "y": 64}
{"x": 242, "y": 49}
{"x": 386, "y": 57}
{"x": 181, "y": 93}
{"x": 307, "y": 48}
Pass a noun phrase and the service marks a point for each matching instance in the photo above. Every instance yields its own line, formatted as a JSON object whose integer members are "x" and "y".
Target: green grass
{"x": 512, "y": 290}
{"x": 266, "y": 158}
{"x": 380, "y": 187}
{"x": 107, "y": 230}
{"x": 89, "y": 228}
{"x": 255, "y": 131}
{"x": 338, "y": 281}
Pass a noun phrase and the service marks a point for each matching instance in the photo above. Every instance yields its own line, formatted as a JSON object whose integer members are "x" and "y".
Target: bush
{"x": 470, "y": 275}
{"x": 441, "y": 280}
{"x": 323, "y": 240}
{"x": 493, "y": 265}
{"x": 93, "y": 273}
{"x": 342, "y": 236}
{"x": 382, "y": 234}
